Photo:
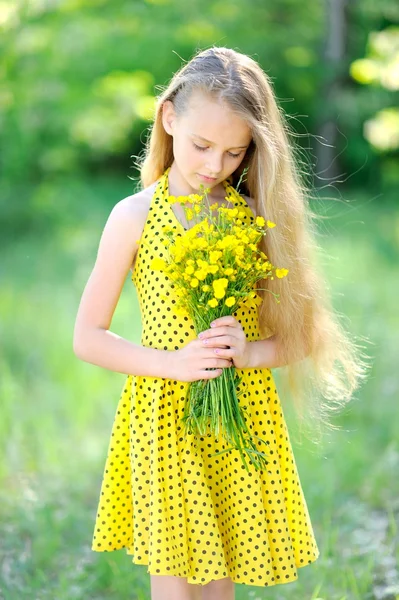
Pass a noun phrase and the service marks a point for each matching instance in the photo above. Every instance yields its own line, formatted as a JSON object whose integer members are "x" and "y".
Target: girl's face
{"x": 208, "y": 140}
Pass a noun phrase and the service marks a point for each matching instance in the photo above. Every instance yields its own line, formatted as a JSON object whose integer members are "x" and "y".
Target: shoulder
{"x": 124, "y": 226}
{"x": 134, "y": 207}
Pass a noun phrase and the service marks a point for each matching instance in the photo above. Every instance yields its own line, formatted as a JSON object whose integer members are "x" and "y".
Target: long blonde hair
{"x": 323, "y": 365}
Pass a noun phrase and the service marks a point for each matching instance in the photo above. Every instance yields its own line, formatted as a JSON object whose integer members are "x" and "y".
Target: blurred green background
{"x": 77, "y": 85}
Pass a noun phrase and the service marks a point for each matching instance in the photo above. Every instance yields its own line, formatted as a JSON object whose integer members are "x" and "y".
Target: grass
{"x": 57, "y": 412}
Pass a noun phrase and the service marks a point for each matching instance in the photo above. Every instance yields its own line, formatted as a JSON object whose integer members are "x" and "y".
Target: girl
{"x": 203, "y": 523}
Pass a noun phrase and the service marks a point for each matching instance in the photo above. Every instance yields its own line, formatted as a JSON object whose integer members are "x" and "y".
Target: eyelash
{"x": 203, "y": 149}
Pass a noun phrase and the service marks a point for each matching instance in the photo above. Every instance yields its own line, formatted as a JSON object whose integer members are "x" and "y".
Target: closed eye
{"x": 202, "y": 149}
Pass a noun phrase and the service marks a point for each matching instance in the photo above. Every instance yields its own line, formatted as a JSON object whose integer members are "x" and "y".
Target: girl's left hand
{"x": 229, "y": 340}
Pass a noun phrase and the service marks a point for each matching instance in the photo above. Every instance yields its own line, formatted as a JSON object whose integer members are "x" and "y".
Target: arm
{"x": 93, "y": 342}
{"x": 263, "y": 354}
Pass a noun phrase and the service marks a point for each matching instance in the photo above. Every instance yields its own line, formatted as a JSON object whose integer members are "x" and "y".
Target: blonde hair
{"x": 323, "y": 365}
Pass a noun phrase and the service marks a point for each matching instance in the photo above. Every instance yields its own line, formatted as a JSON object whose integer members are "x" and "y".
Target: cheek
{"x": 184, "y": 152}
{"x": 191, "y": 156}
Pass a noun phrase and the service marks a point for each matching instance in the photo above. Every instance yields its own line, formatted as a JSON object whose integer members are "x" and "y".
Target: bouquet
{"x": 214, "y": 267}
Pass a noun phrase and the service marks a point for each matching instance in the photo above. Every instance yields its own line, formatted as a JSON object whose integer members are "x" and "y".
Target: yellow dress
{"x": 164, "y": 499}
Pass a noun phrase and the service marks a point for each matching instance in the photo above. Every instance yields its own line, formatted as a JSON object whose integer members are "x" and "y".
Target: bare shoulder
{"x": 124, "y": 227}
{"x": 135, "y": 206}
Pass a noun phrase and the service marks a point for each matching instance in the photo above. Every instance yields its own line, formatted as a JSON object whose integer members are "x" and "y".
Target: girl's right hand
{"x": 190, "y": 362}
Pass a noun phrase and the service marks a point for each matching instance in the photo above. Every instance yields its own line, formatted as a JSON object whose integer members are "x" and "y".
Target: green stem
{"x": 217, "y": 403}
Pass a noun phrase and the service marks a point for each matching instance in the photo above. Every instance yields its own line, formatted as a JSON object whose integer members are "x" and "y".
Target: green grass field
{"x": 56, "y": 416}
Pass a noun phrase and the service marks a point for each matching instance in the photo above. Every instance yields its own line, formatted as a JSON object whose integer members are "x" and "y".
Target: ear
{"x": 168, "y": 116}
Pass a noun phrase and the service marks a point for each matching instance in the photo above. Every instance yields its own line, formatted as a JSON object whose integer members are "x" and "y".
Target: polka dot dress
{"x": 164, "y": 499}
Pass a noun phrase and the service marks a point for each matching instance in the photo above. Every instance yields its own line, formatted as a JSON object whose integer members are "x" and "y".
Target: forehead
{"x": 214, "y": 120}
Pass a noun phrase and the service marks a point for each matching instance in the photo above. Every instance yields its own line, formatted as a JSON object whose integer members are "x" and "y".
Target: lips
{"x": 206, "y": 177}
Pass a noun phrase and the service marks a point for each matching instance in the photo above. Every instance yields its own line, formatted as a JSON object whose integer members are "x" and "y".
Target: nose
{"x": 214, "y": 164}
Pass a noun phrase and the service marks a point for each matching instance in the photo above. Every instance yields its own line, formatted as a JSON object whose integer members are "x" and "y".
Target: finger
{"x": 228, "y": 320}
{"x": 216, "y": 362}
{"x": 235, "y": 332}
{"x": 225, "y": 352}
{"x": 211, "y": 374}
{"x": 219, "y": 340}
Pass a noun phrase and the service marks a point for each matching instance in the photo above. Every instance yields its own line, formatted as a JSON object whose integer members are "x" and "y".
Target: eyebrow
{"x": 209, "y": 142}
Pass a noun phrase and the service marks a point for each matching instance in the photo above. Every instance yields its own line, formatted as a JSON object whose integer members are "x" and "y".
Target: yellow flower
{"x": 219, "y": 287}
{"x": 197, "y": 209}
{"x": 260, "y": 221}
{"x": 213, "y": 269}
{"x": 222, "y": 282}
{"x": 271, "y": 224}
{"x": 214, "y": 206}
{"x": 157, "y": 264}
{"x": 214, "y": 256}
{"x": 189, "y": 214}
{"x": 201, "y": 274}
{"x": 194, "y": 282}
{"x": 195, "y": 198}
{"x": 213, "y": 302}
{"x": 230, "y": 301}
{"x": 229, "y": 271}
{"x": 232, "y": 212}
{"x": 206, "y": 288}
{"x": 281, "y": 273}
{"x": 189, "y": 270}
{"x": 219, "y": 292}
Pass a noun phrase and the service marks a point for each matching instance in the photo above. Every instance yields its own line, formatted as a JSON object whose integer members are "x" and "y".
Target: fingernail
{"x": 200, "y": 335}
{"x": 212, "y": 324}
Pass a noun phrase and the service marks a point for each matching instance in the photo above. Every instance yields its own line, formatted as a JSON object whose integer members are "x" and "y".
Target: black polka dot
{"x": 164, "y": 498}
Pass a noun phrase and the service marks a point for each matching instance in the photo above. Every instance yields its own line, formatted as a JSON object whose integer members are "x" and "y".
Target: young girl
{"x": 202, "y": 523}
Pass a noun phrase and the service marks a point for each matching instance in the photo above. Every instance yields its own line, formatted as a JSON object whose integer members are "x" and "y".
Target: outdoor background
{"x": 77, "y": 86}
